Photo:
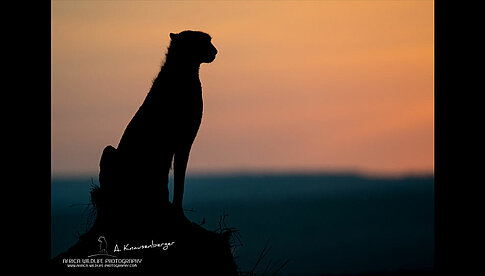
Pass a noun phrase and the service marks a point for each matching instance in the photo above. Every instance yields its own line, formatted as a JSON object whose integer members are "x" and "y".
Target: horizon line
{"x": 249, "y": 172}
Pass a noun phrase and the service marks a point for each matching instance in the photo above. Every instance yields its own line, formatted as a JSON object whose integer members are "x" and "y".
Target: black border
{"x": 27, "y": 102}
{"x": 457, "y": 201}
{"x": 450, "y": 254}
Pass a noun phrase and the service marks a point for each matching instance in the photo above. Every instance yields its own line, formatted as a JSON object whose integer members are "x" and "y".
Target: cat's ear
{"x": 173, "y": 36}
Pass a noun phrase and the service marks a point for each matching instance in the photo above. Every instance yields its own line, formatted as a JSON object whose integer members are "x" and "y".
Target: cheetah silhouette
{"x": 162, "y": 131}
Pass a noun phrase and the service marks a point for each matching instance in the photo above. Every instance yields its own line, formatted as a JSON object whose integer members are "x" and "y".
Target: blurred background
{"x": 317, "y": 131}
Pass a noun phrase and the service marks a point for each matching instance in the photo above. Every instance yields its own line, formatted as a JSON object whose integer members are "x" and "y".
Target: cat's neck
{"x": 181, "y": 67}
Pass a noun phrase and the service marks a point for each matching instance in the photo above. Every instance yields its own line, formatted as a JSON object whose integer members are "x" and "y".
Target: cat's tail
{"x": 108, "y": 174}
{"x": 108, "y": 167}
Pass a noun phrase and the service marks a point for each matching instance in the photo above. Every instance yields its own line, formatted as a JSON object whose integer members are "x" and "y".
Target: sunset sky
{"x": 296, "y": 86}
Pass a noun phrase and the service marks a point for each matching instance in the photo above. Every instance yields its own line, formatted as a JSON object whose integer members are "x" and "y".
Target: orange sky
{"x": 303, "y": 85}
